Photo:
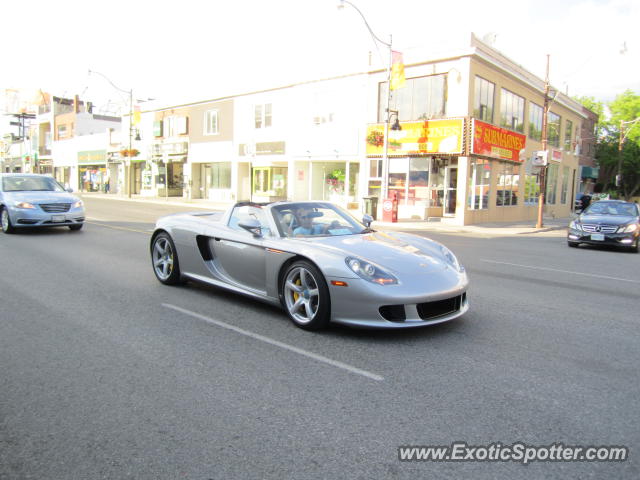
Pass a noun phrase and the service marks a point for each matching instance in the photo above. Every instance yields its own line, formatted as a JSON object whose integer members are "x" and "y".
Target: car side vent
{"x": 393, "y": 313}
{"x": 203, "y": 246}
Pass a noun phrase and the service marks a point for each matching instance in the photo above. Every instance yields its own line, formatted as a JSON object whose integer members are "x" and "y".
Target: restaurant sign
{"x": 496, "y": 142}
{"x": 428, "y": 136}
{"x": 92, "y": 157}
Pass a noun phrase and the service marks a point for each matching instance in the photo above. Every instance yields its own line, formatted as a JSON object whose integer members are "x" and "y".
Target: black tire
{"x": 76, "y": 227}
{"x": 573, "y": 244}
{"x": 635, "y": 248}
{"x": 164, "y": 259}
{"x": 306, "y": 296}
{"x": 6, "y": 221}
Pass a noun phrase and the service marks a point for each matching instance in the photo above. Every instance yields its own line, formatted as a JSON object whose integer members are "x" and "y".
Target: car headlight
{"x": 78, "y": 204}
{"x": 451, "y": 258}
{"x": 575, "y": 225}
{"x": 23, "y": 205}
{"x": 628, "y": 228}
{"x": 370, "y": 272}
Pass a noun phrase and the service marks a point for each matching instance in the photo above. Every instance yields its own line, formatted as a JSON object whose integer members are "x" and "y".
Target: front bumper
{"x": 611, "y": 239}
{"x": 35, "y": 217}
{"x": 367, "y": 305}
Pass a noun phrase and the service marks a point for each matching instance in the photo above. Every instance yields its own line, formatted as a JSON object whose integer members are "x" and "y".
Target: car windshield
{"x": 315, "y": 219}
{"x": 608, "y": 208}
{"x": 30, "y": 184}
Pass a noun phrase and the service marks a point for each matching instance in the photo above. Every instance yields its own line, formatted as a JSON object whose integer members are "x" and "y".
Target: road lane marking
{"x": 276, "y": 343}
{"x": 126, "y": 229}
{"x": 561, "y": 271}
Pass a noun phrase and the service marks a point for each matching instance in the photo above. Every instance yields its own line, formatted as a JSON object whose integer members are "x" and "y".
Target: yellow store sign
{"x": 426, "y": 137}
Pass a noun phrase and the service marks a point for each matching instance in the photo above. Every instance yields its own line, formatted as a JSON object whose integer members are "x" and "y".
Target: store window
{"x": 511, "y": 111}
{"x": 535, "y": 121}
{"x": 568, "y": 135}
{"x": 421, "y": 98}
{"x": 483, "y": 100}
{"x": 270, "y": 181}
{"x": 220, "y": 175}
{"x": 565, "y": 185}
{"x": 211, "y": 122}
{"x": 508, "y": 184}
{"x": 436, "y": 181}
{"x": 531, "y": 189}
{"x": 419, "y": 181}
{"x": 553, "y": 129}
{"x": 552, "y": 184}
{"x": 479, "y": 183}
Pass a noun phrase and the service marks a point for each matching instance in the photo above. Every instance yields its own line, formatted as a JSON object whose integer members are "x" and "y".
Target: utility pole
{"x": 543, "y": 169}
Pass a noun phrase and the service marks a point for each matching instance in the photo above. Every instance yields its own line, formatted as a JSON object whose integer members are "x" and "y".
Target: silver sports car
{"x": 315, "y": 260}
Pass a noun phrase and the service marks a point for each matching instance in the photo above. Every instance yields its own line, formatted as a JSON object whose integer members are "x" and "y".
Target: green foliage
{"x": 592, "y": 104}
{"x": 626, "y": 109}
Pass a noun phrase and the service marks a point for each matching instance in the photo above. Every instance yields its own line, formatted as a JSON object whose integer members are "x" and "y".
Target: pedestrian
{"x": 107, "y": 186}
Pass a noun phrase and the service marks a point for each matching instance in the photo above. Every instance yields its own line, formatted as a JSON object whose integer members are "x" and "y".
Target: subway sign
{"x": 496, "y": 142}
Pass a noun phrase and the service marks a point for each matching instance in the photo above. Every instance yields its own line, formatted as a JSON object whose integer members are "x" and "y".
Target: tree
{"x": 624, "y": 108}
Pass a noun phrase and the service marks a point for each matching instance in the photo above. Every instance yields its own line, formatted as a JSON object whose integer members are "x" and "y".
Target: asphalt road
{"x": 106, "y": 373}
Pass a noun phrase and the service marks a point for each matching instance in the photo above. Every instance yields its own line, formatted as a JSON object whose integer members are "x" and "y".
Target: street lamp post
{"x": 543, "y": 169}
{"x": 387, "y": 120}
{"x": 129, "y": 161}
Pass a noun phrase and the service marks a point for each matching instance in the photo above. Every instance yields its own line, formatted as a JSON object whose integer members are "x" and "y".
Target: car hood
{"x": 607, "y": 219}
{"x": 396, "y": 253}
{"x": 41, "y": 197}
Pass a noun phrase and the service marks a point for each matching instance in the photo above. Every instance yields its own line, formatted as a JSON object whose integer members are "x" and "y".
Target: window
{"x": 511, "y": 111}
{"x": 552, "y": 184}
{"x": 553, "y": 129}
{"x": 565, "y": 185}
{"x": 483, "y": 100}
{"x": 220, "y": 175}
{"x": 211, "y": 122}
{"x": 375, "y": 168}
{"x": 535, "y": 121}
{"x": 422, "y": 98}
{"x": 508, "y": 183}
{"x": 249, "y": 212}
{"x": 479, "y": 184}
{"x": 262, "y": 115}
{"x": 174, "y": 126}
{"x": 568, "y": 135}
{"x": 62, "y": 131}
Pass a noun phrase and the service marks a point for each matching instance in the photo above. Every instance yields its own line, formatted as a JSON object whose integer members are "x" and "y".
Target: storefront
{"x": 422, "y": 166}
{"x": 92, "y": 170}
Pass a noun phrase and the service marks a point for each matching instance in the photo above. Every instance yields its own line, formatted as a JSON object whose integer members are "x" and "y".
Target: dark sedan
{"x": 607, "y": 222}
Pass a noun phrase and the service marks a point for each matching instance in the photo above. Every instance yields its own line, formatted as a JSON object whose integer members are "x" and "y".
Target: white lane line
{"x": 276, "y": 343}
{"x": 114, "y": 227}
{"x": 561, "y": 271}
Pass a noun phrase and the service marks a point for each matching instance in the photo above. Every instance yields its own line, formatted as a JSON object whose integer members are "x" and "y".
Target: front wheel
{"x": 573, "y": 244}
{"x": 306, "y": 296}
{"x": 75, "y": 227}
{"x": 164, "y": 259}
{"x": 6, "y": 221}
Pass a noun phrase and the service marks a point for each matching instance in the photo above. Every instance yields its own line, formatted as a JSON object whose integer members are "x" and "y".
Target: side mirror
{"x": 367, "y": 219}
{"x": 69, "y": 189}
{"x": 251, "y": 225}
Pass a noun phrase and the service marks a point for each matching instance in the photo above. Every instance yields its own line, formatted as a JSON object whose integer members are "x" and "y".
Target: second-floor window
{"x": 262, "y": 115}
{"x": 174, "y": 126}
{"x": 483, "y": 100}
{"x": 421, "y": 98}
{"x": 535, "y": 121}
{"x": 62, "y": 131}
{"x": 568, "y": 135}
{"x": 211, "y": 122}
{"x": 511, "y": 111}
{"x": 553, "y": 129}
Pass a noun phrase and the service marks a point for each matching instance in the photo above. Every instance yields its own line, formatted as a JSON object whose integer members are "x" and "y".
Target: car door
{"x": 239, "y": 255}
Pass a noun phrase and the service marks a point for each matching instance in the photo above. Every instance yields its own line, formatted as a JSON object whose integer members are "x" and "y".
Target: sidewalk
{"x": 493, "y": 228}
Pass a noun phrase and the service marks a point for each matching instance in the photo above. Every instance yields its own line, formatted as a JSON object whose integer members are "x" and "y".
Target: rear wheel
{"x": 6, "y": 221}
{"x": 164, "y": 259}
{"x": 306, "y": 296}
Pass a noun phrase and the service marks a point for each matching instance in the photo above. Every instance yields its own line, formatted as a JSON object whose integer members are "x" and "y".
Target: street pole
{"x": 130, "y": 139}
{"x": 543, "y": 169}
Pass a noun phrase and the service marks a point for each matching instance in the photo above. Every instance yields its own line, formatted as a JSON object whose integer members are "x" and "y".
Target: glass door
{"x": 451, "y": 185}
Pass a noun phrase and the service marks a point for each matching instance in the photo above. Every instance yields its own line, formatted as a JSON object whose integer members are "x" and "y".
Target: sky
{"x": 178, "y": 52}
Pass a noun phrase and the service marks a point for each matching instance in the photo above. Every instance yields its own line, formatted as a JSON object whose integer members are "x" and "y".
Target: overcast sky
{"x": 194, "y": 50}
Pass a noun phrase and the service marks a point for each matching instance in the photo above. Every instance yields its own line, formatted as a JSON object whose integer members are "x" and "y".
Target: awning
{"x": 590, "y": 172}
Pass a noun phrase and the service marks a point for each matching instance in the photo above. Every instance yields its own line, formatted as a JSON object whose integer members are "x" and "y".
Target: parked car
{"x": 607, "y": 222}
{"x": 316, "y": 261}
{"x": 583, "y": 200}
{"x": 33, "y": 200}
